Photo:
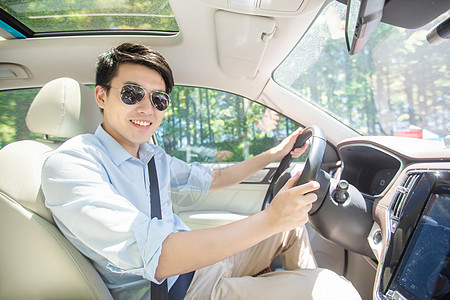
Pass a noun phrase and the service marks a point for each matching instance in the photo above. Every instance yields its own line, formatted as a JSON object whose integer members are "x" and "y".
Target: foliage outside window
{"x": 397, "y": 85}
{"x": 14, "y": 106}
{"x": 84, "y": 15}
{"x": 200, "y": 124}
{"x": 213, "y": 126}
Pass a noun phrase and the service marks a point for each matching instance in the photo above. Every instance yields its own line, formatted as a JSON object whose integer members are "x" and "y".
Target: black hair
{"x": 108, "y": 63}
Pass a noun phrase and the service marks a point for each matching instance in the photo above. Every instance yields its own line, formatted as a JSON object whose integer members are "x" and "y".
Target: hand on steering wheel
{"x": 312, "y": 164}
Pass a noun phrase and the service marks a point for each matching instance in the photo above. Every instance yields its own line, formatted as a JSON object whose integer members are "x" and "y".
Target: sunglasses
{"x": 131, "y": 94}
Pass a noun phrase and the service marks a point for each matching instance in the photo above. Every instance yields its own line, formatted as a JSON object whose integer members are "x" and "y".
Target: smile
{"x": 141, "y": 123}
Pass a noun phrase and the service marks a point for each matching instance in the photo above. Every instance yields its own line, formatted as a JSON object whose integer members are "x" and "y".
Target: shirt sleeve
{"x": 192, "y": 176}
{"x": 78, "y": 192}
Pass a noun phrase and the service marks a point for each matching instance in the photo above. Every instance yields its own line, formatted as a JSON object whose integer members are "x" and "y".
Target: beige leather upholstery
{"x": 36, "y": 260}
{"x": 57, "y": 109}
{"x": 20, "y": 174}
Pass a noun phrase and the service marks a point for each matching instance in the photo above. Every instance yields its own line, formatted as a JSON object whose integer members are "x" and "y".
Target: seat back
{"x": 36, "y": 260}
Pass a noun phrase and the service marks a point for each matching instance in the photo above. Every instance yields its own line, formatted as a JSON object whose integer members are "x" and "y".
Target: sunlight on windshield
{"x": 397, "y": 85}
{"x": 87, "y": 15}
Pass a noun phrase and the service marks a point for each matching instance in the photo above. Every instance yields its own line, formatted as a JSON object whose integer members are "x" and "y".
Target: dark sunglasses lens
{"x": 131, "y": 94}
{"x": 160, "y": 100}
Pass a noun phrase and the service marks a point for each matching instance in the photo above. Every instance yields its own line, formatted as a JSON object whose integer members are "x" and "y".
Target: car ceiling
{"x": 200, "y": 54}
{"x": 208, "y": 51}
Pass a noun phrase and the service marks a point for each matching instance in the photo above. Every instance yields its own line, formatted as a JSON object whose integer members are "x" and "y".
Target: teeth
{"x": 142, "y": 123}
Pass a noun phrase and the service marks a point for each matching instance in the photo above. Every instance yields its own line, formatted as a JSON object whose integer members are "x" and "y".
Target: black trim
{"x": 104, "y": 32}
{"x": 344, "y": 272}
{"x": 16, "y": 24}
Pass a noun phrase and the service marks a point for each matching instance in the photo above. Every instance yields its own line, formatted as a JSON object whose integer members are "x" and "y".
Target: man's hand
{"x": 268, "y": 122}
{"x": 289, "y": 209}
{"x": 236, "y": 173}
{"x": 285, "y": 147}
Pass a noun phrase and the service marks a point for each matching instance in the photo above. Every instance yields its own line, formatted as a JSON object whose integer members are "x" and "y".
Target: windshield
{"x": 398, "y": 84}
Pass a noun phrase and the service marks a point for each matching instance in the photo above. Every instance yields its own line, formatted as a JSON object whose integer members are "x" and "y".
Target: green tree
{"x": 14, "y": 106}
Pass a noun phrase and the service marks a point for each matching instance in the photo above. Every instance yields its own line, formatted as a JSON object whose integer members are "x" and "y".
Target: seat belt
{"x": 181, "y": 285}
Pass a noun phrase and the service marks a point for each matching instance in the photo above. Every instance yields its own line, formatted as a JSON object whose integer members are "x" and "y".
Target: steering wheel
{"x": 347, "y": 220}
{"x": 310, "y": 171}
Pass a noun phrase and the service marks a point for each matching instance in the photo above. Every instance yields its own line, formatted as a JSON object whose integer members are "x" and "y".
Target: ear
{"x": 100, "y": 96}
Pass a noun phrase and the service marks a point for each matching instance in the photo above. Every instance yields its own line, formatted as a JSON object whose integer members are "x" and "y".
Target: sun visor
{"x": 241, "y": 42}
{"x": 413, "y": 14}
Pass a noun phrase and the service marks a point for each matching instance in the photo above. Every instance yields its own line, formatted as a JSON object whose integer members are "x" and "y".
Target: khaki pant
{"x": 233, "y": 277}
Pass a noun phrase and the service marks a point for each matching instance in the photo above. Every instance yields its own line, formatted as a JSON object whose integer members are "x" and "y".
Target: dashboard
{"x": 408, "y": 181}
{"x": 369, "y": 169}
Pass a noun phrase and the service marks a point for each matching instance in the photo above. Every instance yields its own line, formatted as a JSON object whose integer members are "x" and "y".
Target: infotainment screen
{"x": 423, "y": 271}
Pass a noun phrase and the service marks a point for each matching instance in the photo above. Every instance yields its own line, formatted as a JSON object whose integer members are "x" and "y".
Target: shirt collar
{"x": 146, "y": 152}
{"x": 117, "y": 153}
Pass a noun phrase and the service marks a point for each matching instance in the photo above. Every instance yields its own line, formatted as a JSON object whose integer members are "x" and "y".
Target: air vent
{"x": 401, "y": 195}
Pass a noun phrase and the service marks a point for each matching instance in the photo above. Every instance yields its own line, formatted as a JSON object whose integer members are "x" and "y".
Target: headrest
{"x": 64, "y": 108}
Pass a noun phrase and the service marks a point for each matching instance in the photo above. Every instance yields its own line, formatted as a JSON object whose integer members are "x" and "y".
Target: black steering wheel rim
{"x": 312, "y": 164}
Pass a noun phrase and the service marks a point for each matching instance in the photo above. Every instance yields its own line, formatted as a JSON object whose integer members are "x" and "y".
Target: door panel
{"x": 218, "y": 207}
{"x": 223, "y": 206}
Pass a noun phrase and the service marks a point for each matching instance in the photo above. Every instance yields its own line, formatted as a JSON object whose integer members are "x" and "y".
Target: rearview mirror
{"x": 362, "y": 18}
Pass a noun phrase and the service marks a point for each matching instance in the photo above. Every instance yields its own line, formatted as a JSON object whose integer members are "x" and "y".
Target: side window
{"x": 14, "y": 106}
{"x": 210, "y": 126}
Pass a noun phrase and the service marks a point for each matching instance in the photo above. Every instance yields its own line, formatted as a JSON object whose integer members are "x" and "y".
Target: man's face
{"x": 131, "y": 125}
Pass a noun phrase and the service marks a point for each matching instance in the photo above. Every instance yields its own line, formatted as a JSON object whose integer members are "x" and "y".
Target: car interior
{"x": 36, "y": 254}
{"x": 382, "y": 218}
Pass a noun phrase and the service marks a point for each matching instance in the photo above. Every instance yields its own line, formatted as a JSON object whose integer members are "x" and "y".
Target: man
{"x": 97, "y": 187}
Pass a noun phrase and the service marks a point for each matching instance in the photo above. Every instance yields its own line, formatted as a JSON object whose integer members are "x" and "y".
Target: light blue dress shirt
{"x": 99, "y": 196}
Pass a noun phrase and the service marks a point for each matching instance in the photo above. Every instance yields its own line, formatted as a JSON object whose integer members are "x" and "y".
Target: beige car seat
{"x": 36, "y": 260}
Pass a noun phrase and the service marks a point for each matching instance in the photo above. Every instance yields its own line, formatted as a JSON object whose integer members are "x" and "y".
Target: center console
{"x": 416, "y": 263}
